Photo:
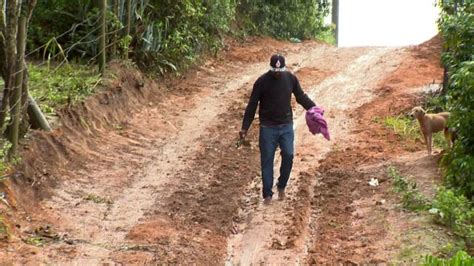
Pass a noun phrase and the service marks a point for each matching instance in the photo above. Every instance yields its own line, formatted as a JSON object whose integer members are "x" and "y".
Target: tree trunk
{"x": 3, "y": 33}
{"x": 102, "y": 50}
{"x": 37, "y": 119}
{"x": 335, "y": 19}
{"x": 444, "y": 90}
{"x": 24, "y": 91}
{"x": 113, "y": 47}
{"x": 31, "y": 108}
{"x": 16, "y": 103}
{"x": 12, "y": 9}
{"x": 24, "y": 98}
{"x": 128, "y": 18}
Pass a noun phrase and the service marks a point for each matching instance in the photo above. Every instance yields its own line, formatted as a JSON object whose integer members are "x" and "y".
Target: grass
{"x": 3, "y": 229}
{"x": 447, "y": 209}
{"x": 55, "y": 87}
{"x": 5, "y": 166}
{"x": 460, "y": 259}
{"x": 451, "y": 248}
{"x": 412, "y": 198}
{"x": 454, "y": 210}
{"x": 408, "y": 129}
{"x": 34, "y": 240}
{"x": 327, "y": 36}
{"x": 97, "y": 199}
{"x": 403, "y": 126}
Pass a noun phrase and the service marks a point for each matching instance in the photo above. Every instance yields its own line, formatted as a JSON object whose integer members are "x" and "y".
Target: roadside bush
{"x": 460, "y": 259}
{"x": 77, "y": 33}
{"x": 412, "y": 198}
{"x": 285, "y": 19}
{"x": 455, "y": 211}
{"x": 460, "y": 170}
{"x": 457, "y": 28}
{"x": 44, "y": 22}
{"x": 166, "y": 35}
{"x": 172, "y": 36}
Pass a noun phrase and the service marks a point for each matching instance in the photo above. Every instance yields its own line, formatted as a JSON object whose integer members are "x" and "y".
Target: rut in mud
{"x": 169, "y": 185}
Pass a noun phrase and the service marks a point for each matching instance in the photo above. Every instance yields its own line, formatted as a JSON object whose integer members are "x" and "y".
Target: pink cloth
{"x": 316, "y": 122}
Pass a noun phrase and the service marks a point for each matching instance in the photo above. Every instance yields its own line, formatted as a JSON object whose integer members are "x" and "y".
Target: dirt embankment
{"x": 47, "y": 157}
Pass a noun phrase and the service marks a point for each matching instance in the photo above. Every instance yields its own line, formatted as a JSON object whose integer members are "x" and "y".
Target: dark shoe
{"x": 281, "y": 194}
{"x": 267, "y": 200}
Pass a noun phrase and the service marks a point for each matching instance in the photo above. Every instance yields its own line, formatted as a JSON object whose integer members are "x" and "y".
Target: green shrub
{"x": 457, "y": 29}
{"x": 5, "y": 166}
{"x": 460, "y": 259}
{"x": 457, "y": 32}
{"x": 285, "y": 19}
{"x": 460, "y": 161}
{"x": 44, "y": 21}
{"x": 171, "y": 35}
{"x": 454, "y": 210}
{"x": 73, "y": 25}
{"x": 412, "y": 198}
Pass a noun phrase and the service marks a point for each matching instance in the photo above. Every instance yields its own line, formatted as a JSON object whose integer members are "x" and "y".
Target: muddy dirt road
{"x": 169, "y": 184}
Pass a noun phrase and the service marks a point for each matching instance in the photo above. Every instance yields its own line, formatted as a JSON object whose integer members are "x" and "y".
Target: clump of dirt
{"x": 352, "y": 225}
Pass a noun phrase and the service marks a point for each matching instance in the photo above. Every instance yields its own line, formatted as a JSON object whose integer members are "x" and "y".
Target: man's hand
{"x": 242, "y": 141}
{"x": 242, "y": 134}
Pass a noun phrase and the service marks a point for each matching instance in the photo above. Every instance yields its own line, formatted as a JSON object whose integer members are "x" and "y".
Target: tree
{"x": 9, "y": 26}
{"x": 128, "y": 18}
{"x": 14, "y": 20}
{"x": 102, "y": 37}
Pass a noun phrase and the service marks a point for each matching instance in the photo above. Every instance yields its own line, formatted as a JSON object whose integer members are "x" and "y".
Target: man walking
{"x": 273, "y": 91}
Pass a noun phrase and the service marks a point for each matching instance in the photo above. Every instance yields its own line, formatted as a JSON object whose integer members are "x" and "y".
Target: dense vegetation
{"x": 453, "y": 203}
{"x": 457, "y": 28}
{"x": 168, "y": 35}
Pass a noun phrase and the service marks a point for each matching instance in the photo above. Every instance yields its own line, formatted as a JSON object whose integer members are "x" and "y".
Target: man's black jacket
{"x": 274, "y": 95}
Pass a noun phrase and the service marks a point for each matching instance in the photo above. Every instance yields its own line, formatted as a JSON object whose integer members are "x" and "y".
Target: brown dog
{"x": 432, "y": 123}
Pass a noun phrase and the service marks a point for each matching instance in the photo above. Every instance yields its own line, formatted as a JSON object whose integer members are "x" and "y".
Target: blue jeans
{"x": 270, "y": 138}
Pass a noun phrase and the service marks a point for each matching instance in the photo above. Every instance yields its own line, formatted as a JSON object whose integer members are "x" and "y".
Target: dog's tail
{"x": 451, "y": 133}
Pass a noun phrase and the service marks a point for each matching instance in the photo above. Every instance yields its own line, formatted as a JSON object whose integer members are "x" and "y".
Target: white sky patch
{"x": 386, "y": 22}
